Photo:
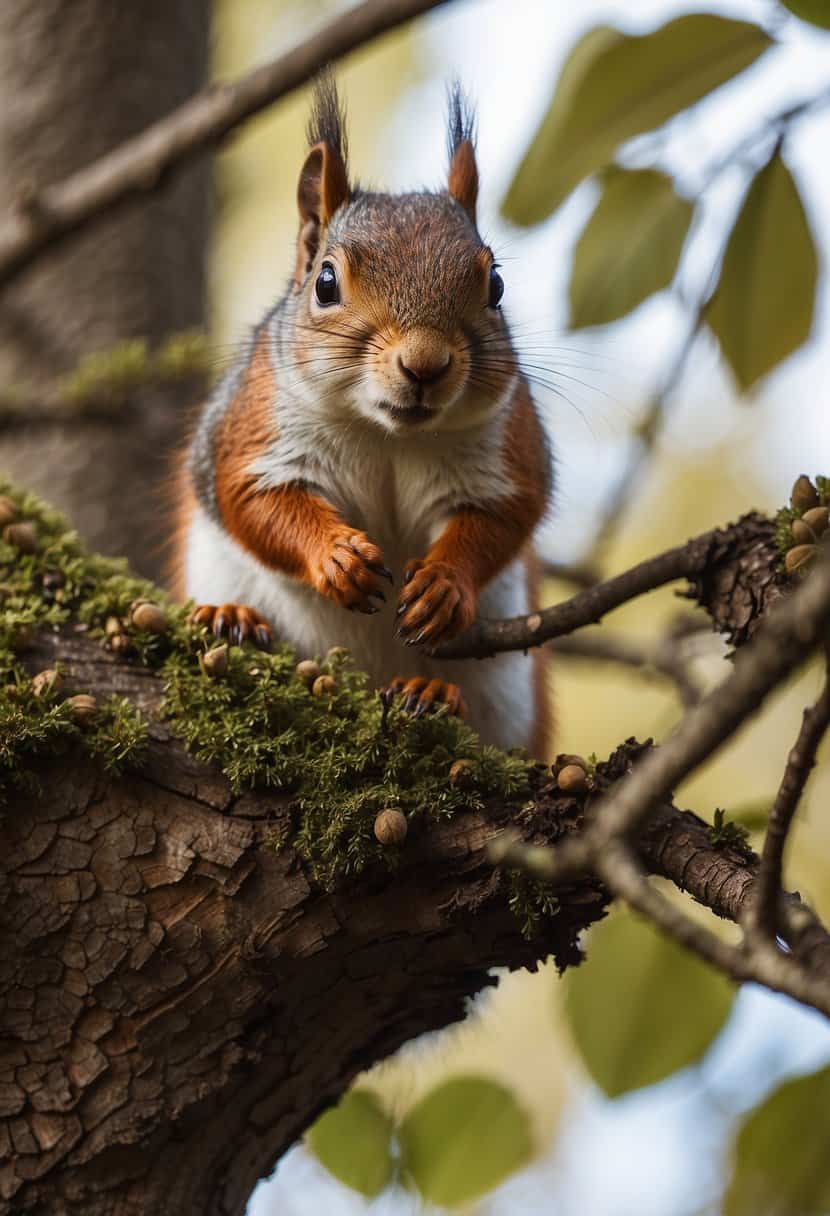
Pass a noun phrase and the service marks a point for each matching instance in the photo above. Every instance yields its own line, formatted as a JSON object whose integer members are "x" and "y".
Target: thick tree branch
{"x": 139, "y": 164}
{"x": 174, "y": 986}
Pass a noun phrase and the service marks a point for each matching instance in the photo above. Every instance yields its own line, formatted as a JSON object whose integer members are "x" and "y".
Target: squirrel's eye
{"x": 496, "y": 288}
{"x": 326, "y": 289}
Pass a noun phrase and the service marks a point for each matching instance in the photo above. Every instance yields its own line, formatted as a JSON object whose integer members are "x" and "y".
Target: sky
{"x": 507, "y": 54}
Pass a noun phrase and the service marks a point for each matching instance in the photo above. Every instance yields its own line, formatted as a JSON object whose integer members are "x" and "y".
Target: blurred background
{"x": 639, "y": 1086}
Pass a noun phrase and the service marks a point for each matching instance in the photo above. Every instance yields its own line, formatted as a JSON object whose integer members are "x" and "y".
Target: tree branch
{"x": 139, "y": 165}
{"x": 735, "y": 572}
{"x": 661, "y": 657}
{"x": 793, "y": 630}
{"x": 764, "y": 911}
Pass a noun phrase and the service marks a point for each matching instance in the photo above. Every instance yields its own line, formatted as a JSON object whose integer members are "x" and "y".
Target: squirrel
{"x": 377, "y": 431}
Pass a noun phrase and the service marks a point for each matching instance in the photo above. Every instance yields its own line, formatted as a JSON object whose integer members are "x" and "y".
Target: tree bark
{"x": 179, "y": 1002}
{"x": 76, "y": 79}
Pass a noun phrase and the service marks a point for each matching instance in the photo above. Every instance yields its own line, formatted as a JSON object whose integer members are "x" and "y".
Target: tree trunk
{"x": 75, "y": 80}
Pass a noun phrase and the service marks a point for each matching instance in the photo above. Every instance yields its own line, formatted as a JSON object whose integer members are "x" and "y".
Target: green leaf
{"x": 763, "y": 306}
{"x": 630, "y": 246}
{"x": 641, "y": 1007}
{"x": 782, "y": 1153}
{"x": 815, "y": 11}
{"x": 352, "y": 1140}
{"x": 614, "y": 86}
{"x": 463, "y": 1138}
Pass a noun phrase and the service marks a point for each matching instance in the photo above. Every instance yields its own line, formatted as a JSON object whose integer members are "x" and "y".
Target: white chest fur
{"x": 399, "y": 491}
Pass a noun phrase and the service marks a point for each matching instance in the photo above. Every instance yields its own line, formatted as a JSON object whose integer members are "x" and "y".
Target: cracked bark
{"x": 178, "y": 1002}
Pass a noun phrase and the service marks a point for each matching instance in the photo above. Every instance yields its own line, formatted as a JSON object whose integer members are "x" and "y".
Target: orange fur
{"x": 289, "y": 528}
{"x": 541, "y": 741}
{"x": 183, "y": 507}
{"x": 463, "y": 177}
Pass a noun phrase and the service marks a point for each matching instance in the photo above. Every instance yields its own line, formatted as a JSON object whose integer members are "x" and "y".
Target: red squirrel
{"x": 378, "y": 431}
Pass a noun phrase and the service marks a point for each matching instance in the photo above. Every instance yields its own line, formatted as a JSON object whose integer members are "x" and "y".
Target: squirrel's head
{"x": 397, "y": 297}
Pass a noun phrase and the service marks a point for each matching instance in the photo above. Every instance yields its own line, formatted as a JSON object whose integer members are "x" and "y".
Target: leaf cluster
{"x": 616, "y": 87}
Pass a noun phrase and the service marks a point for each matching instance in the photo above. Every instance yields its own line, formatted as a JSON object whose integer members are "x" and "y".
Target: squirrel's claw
{"x": 236, "y": 622}
{"x": 420, "y": 694}
{"x": 436, "y": 606}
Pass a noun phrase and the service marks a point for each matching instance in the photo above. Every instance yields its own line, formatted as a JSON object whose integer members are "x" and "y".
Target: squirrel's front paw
{"x": 236, "y": 622}
{"x": 436, "y": 604}
{"x": 351, "y": 571}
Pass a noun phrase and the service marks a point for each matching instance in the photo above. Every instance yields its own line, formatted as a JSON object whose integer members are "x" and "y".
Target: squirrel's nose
{"x": 424, "y": 369}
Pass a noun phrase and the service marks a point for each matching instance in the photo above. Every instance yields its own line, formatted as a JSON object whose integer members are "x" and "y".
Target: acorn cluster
{"x": 802, "y": 526}
{"x": 83, "y": 706}
{"x": 144, "y": 616}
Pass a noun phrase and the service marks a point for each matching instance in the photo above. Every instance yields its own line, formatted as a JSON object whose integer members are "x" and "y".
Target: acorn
{"x": 802, "y": 533}
{"x": 113, "y": 626}
{"x": 84, "y": 707}
{"x": 798, "y": 558}
{"x": 565, "y": 758}
{"x": 336, "y": 654}
{"x": 572, "y": 779}
{"x": 324, "y": 686}
{"x": 462, "y": 773}
{"x": 816, "y": 519}
{"x": 804, "y": 494}
{"x": 23, "y": 536}
{"x": 391, "y": 827}
{"x": 307, "y": 671}
{"x": 148, "y": 617}
{"x": 8, "y": 510}
{"x": 46, "y": 681}
{"x": 214, "y": 663}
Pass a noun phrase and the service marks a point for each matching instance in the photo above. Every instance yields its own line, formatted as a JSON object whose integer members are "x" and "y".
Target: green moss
{"x": 105, "y": 380}
{"x": 337, "y": 758}
{"x": 531, "y": 901}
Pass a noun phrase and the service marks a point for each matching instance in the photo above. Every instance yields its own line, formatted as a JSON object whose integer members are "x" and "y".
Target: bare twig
{"x": 138, "y": 165}
{"x": 585, "y": 608}
{"x": 764, "y": 909}
{"x": 663, "y": 657}
{"x": 572, "y": 572}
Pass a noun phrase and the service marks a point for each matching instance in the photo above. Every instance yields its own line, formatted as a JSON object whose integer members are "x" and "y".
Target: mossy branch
{"x": 202, "y": 929}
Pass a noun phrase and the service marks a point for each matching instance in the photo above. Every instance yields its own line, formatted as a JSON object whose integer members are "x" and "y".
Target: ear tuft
{"x": 324, "y": 180}
{"x": 327, "y": 120}
{"x": 462, "y": 180}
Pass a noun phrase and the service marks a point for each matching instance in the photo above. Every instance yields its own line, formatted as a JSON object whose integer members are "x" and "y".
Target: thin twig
{"x": 763, "y": 912}
{"x": 489, "y": 637}
{"x": 140, "y": 164}
{"x": 663, "y": 657}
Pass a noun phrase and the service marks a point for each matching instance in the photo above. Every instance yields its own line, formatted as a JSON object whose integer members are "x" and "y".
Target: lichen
{"x": 337, "y": 758}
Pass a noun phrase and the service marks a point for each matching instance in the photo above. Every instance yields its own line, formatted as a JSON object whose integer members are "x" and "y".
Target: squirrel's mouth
{"x": 408, "y": 414}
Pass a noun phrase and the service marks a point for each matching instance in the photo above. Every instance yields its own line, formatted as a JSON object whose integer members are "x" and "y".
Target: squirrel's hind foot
{"x": 419, "y": 694}
{"x": 236, "y": 622}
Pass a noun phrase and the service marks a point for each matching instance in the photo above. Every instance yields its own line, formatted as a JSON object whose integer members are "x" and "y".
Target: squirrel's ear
{"x": 323, "y": 186}
{"x": 463, "y": 177}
